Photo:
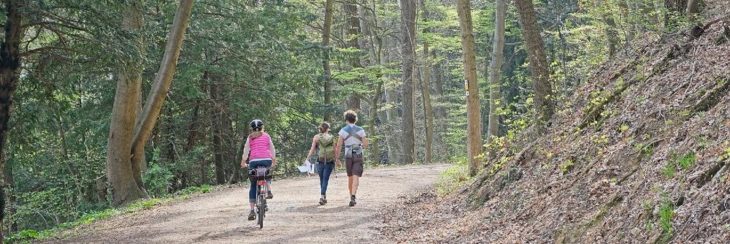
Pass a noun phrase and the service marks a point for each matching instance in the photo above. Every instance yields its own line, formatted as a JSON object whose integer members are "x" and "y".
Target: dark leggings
{"x": 324, "y": 170}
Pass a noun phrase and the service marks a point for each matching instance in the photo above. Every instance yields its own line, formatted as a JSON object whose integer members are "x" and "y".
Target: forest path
{"x": 294, "y": 216}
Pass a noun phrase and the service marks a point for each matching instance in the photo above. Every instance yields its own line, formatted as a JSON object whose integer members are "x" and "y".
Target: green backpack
{"x": 326, "y": 147}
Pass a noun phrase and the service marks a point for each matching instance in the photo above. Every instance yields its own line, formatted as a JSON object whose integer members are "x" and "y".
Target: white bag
{"x": 306, "y": 167}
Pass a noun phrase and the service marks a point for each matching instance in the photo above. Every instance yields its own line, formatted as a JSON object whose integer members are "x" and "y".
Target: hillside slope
{"x": 640, "y": 154}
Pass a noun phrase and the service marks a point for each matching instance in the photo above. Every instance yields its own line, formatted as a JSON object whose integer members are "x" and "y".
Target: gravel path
{"x": 294, "y": 217}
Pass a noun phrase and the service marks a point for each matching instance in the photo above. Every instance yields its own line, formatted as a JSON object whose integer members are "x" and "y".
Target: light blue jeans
{"x": 324, "y": 170}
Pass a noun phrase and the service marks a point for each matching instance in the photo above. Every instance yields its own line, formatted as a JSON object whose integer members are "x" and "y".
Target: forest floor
{"x": 294, "y": 215}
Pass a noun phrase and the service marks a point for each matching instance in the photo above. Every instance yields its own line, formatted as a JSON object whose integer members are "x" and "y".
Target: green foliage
{"x": 666, "y": 214}
{"x": 682, "y": 162}
{"x": 93, "y": 216}
{"x": 669, "y": 170}
{"x": 566, "y": 166}
{"x": 456, "y": 176}
{"x": 687, "y": 160}
{"x": 157, "y": 178}
{"x": 725, "y": 154}
{"x": 644, "y": 150}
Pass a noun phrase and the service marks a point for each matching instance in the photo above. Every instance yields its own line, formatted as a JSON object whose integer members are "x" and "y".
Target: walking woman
{"x": 324, "y": 142}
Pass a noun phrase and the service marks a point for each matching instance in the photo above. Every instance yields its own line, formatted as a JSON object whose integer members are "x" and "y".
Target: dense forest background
{"x": 292, "y": 64}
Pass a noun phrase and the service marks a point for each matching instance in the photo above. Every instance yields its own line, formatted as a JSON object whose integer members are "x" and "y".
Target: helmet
{"x": 256, "y": 124}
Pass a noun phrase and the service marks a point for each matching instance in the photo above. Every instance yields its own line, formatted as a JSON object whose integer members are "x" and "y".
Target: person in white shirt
{"x": 354, "y": 140}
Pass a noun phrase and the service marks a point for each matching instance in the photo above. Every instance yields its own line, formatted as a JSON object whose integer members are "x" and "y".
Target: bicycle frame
{"x": 262, "y": 189}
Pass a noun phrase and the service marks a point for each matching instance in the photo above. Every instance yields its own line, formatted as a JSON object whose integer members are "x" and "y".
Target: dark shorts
{"x": 353, "y": 166}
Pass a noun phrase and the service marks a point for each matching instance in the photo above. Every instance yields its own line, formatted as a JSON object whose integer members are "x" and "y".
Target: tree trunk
{"x": 439, "y": 110}
{"x": 193, "y": 127}
{"x": 124, "y": 177}
{"x": 693, "y": 6}
{"x": 215, "y": 126}
{"x": 426, "y": 89}
{"x": 9, "y": 192}
{"x": 353, "y": 36}
{"x": 327, "y": 73}
{"x": 10, "y": 63}
{"x": 538, "y": 61}
{"x": 408, "y": 27}
{"x": 370, "y": 43}
{"x": 163, "y": 80}
{"x": 494, "y": 69}
{"x": 128, "y": 135}
{"x": 372, "y": 125}
{"x": 473, "y": 109}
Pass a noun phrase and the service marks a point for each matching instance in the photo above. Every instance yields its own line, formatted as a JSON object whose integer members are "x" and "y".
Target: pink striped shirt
{"x": 259, "y": 148}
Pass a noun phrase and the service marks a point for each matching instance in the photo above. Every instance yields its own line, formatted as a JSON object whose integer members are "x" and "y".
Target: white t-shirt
{"x": 353, "y": 139}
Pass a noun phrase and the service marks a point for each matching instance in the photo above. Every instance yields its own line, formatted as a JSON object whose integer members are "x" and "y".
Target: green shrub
{"x": 666, "y": 213}
{"x": 566, "y": 166}
{"x": 687, "y": 161}
{"x": 454, "y": 177}
{"x": 669, "y": 170}
{"x": 157, "y": 180}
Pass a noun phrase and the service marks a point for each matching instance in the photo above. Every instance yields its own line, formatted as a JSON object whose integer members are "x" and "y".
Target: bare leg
{"x": 355, "y": 183}
{"x": 349, "y": 183}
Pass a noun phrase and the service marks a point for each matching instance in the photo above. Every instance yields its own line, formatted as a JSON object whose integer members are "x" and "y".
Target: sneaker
{"x": 270, "y": 195}
{"x": 251, "y": 215}
{"x": 352, "y": 201}
{"x": 322, "y": 201}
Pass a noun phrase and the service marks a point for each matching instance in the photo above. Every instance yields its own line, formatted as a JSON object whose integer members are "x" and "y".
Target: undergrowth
{"x": 29, "y": 235}
{"x": 453, "y": 178}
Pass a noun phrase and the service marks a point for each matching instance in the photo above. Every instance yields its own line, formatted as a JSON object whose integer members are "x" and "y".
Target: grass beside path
{"x": 29, "y": 235}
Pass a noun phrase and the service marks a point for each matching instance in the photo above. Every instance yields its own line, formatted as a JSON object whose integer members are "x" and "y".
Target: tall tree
{"x": 217, "y": 128}
{"x": 9, "y": 73}
{"x": 408, "y": 26}
{"x": 124, "y": 177}
{"x": 327, "y": 73}
{"x": 426, "y": 86}
{"x": 538, "y": 61}
{"x": 495, "y": 68}
{"x": 372, "y": 42}
{"x": 127, "y": 138}
{"x": 473, "y": 110}
{"x": 353, "y": 41}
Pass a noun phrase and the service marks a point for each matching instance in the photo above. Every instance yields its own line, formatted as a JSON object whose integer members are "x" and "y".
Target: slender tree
{"x": 495, "y": 68}
{"x": 473, "y": 110}
{"x": 408, "y": 26}
{"x": 327, "y": 73}
{"x": 538, "y": 61}
{"x": 353, "y": 41}
{"x": 426, "y": 86}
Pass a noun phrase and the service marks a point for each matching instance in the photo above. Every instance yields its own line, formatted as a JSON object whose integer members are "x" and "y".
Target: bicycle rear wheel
{"x": 261, "y": 205}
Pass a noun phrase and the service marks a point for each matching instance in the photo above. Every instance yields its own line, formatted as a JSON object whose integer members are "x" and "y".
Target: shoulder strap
{"x": 352, "y": 133}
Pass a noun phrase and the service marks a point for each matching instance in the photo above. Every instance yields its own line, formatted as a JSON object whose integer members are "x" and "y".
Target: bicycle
{"x": 261, "y": 175}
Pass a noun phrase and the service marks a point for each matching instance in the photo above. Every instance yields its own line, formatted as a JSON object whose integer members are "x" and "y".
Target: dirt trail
{"x": 294, "y": 217}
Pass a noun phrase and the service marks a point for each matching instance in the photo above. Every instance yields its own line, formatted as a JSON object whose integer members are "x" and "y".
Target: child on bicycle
{"x": 325, "y": 143}
{"x": 258, "y": 151}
